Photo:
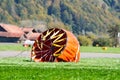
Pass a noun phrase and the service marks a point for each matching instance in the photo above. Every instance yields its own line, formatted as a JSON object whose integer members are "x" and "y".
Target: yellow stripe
{"x": 60, "y": 40}
{"x": 38, "y": 44}
{"x": 56, "y": 55}
{"x": 58, "y": 50}
{"x": 47, "y": 33}
{"x": 56, "y": 45}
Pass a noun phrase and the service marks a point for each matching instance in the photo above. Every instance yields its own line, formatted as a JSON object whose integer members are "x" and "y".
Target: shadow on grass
{"x": 28, "y": 60}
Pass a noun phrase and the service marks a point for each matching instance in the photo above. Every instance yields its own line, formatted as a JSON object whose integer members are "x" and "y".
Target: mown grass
{"x": 86, "y": 69}
{"x": 19, "y": 47}
{"x": 99, "y": 49}
{"x": 13, "y": 47}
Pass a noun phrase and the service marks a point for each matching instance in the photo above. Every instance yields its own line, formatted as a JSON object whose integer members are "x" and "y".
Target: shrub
{"x": 91, "y": 36}
{"x": 102, "y": 42}
{"x": 84, "y": 41}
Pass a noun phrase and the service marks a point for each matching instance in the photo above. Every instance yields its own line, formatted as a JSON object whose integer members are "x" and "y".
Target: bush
{"x": 84, "y": 41}
{"x": 102, "y": 42}
{"x": 91, "y": 35}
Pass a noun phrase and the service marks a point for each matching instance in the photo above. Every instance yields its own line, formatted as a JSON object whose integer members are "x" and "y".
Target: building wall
{"x": 8, "y": 39}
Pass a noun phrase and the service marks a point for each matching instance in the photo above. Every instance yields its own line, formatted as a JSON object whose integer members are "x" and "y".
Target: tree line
{"x": 79, "y": 16}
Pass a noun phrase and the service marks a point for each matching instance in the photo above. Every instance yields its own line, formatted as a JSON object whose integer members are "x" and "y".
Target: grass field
{"x": 16, "y": 68}
{"x": 86, "y": 69}
{"x": 19, "y": 47}
{"x": 13, "y": 47}
{"x": 99, "y": 49}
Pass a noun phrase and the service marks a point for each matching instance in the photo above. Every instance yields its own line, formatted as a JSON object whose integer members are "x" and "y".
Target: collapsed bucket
{"x": 56, "y": 45}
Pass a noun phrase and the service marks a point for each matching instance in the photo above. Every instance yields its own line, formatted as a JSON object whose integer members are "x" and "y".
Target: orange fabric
{"x": 71, "y": 53}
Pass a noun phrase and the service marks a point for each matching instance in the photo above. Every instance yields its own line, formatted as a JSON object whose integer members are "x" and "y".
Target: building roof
{"x": 10, "y": 30}
{"x": 32, "y": 36}
{"x": 27, "y": 29}
{"x": 8, "y": 34}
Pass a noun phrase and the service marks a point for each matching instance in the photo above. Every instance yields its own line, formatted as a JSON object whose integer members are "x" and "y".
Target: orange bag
{"x": 56, "y": 45}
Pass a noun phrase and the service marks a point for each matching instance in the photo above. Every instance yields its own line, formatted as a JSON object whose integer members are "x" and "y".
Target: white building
{"x": 119, "y": 38}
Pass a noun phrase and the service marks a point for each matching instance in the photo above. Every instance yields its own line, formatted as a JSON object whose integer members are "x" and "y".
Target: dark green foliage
{"x": 113, "y": 32}
{"x": 110, "y": 2}
{"x": 102, "y": 42}
{"x": 79, "y": 15}
{"x": 54, "y": 10}
{"x": 115, "y": 6}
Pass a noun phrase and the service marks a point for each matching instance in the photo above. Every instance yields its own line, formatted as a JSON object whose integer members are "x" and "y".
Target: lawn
{"x": 16, "y": 68}
{"x": 86, "y": 69}
{"x": 13, "y": 47}
{"x": 19, "y": 47}
{"x": 99, "y": 49}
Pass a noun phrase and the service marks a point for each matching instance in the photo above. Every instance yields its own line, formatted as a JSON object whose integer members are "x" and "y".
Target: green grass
{"x": 86, "y": 69}
{"x": 99, "y": 49}
{"x": 15, "y": 68}
{"x": 19, "y": 47}
{"x": 13, "y": 47}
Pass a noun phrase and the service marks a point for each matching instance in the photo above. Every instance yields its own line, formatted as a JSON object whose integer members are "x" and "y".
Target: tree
{"x": 53, "y": 9}
{"x": 102, "y": 42}
{"x": 66, "y": 17}
{"x": 113, "y": 32}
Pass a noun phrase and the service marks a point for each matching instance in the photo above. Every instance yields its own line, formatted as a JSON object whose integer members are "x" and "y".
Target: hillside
{"x": 79, "y": 16}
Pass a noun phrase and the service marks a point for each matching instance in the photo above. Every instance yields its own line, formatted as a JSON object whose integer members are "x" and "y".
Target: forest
{"x": 81, "y": 17}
